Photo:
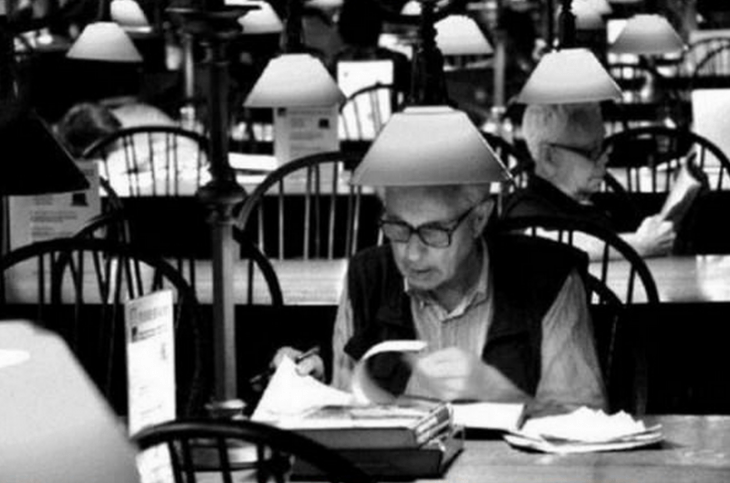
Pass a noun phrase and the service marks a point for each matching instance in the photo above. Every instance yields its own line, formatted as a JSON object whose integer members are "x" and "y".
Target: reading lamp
{"x": 32, "y": 159}
{"x": 429, "y": 143}
{"x": 294, "y": 78}
{"x": 55, "y": 424}
{"x": 263, "y": 20}
{"x": 104, "y": 41}
{"x": 568, "y": 76}
{"x": 129, "y": 15}
{"x": 215, "y": 25}
{"x": 647, "y": 34}
{"x": 460, "y": 35}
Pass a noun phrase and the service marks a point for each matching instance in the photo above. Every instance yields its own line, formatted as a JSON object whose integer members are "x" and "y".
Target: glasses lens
{"x": 395, "y": 231}
{"x": 434, "y": 236}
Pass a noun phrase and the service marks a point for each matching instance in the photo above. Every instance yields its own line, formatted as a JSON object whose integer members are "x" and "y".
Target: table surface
{"x": 682, "y": 279}
{"x": 693, "y": 278}
{"x": 696, "y": 449}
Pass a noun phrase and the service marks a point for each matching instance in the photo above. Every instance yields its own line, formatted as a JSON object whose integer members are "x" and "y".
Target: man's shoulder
{"x": 531, "y": 254}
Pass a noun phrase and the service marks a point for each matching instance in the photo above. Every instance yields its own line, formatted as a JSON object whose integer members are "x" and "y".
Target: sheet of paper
{"x": 488, "y": 415}
{"x": 289, "y": 393}
{"x": 43, "y": 217}
{"x": 364, "y": 388}
{"x": 151, "y": 375}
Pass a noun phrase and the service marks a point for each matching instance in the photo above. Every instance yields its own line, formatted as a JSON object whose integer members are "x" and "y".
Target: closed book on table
{"x": 373, "y": 426}
{"x": 430, "y": 460}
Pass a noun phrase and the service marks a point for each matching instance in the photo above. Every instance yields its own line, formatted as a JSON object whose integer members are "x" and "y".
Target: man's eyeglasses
{"x": 431, "y": 234}
{"x": 592, "y": 154}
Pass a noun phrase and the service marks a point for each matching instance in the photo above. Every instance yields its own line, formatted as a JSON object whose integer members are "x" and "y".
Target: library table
{"x": 696, "y": 449}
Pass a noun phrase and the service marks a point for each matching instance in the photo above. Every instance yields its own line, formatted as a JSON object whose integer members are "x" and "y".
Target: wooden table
{"x": 686, "y": 279}
{"x": 696, "y": 450}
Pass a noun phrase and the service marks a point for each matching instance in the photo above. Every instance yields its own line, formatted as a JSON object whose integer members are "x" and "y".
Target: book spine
{"x": 440, "y": 419}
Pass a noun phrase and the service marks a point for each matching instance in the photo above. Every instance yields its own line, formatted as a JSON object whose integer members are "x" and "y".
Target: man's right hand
{"x": 312, "y": 365}
{"x": 655, "y": 237}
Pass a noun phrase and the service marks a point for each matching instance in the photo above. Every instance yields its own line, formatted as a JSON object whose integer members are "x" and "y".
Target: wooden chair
{"x": 700, "y": 49}
{"x": 255, "y": 266}
{"x": 231, "y": 450}
{"x": 713, "y": 69}
{"x": 364, "y": 113}
{"x": 650, "y": 156}
{"x": 152, "y": 160}
{"x": 306, "y": 209}
{"x": 78, "y": 287}
{"x": 611, "y": 288}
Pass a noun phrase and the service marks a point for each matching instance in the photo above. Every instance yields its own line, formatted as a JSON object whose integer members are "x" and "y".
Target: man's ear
{"x": 482, "y": 213}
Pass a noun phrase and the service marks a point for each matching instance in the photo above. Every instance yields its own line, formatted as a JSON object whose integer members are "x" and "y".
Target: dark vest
{"x": 526, "y": 272}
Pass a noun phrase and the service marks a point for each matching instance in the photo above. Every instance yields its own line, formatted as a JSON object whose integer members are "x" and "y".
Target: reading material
{"x": 687, "y": 185}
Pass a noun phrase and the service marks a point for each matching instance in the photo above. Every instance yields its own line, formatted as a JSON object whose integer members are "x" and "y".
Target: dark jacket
{"x": 542, "y": 198}
{"x": 527, "y": 273}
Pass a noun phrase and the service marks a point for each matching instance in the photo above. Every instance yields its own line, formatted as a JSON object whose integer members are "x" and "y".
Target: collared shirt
{"x": 570, "y": 372}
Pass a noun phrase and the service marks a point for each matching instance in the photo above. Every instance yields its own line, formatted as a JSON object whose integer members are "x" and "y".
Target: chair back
{"x": 364, "y": 113}
{"x": 229, "y": 450}
{"x": 648, "y": 158}
{"x": 152, "y": 160}
{"x": 612, "y": 284}
{"x": 713, "y": 69}
{"x": 78, "y": 288}
{"x": 700, "y": 49}
{"x": 307, "y": 209}
{"x": 620, "y": 267}
{"x": 253, "y": 267}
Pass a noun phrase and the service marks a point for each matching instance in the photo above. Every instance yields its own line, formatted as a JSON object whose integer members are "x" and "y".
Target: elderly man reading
{"x": 505, "y": 317}
{"x": 565, "y": 141}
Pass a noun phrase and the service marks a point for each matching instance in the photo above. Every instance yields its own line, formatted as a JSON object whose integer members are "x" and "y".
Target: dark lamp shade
{"x": 429, "y": 145}
{"x": 32, "y": 160}
{"x": 569, "y": 76}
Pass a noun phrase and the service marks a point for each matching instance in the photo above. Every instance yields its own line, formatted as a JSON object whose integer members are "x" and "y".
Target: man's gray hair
{"x": 554, "y": 123}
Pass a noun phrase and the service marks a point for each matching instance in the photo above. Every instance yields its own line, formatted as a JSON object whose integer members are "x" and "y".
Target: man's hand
{"x": 453, "y": 374}
{"x": 312, "y": 365}
{"x": 654, "y": 237}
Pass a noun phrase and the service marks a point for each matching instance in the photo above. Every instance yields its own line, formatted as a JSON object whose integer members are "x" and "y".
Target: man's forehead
{"x": 431, "y": 202}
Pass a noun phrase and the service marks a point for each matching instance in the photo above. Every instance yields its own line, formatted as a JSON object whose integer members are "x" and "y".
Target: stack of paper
{"x": 584, "y": 430}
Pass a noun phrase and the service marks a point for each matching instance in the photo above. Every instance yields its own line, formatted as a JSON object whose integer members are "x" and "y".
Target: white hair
{"x": 554, "y": 123}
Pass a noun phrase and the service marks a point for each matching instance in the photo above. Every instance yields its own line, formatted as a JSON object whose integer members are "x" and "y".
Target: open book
{"x": 317, "y": 404}
{"x": 688, "y": 183}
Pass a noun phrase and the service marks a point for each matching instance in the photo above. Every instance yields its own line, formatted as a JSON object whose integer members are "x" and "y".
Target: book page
{"x": 684, "y": 190}
{"x": 488, "y": 415}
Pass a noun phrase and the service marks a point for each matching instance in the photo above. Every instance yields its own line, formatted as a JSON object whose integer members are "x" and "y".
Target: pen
{"x": 258, "y": 380}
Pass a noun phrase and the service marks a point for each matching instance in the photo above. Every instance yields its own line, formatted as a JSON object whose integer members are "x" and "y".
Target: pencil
{"x": 257, "y": 380}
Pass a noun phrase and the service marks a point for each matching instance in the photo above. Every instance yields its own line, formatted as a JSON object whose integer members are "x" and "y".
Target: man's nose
{"x": 415, "y": 247}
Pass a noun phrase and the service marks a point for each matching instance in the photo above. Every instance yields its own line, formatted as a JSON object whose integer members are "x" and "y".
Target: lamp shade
{"x": 32, "y": 159}
{"x": 429, "y": 145}
{"x": 586, "y": 16}
{"x": 568, "y": 76}
{"x": 647, "y": 34}
{"x": 460, "y": 35}
{"x": 294, "y": 80}
{"x": 129, "y": 15}
{"x": 262, "y": 20}
{"x": 600, "y": 6}
{"x": 105, "y": 41}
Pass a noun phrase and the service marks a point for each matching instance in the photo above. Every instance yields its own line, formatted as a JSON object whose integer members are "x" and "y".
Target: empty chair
{"x": 365, "y": 111}
{"x": 306, "y": 209}
{"x": 78, "y": 288}
{"x": 650, "y": 156}
{"x": 228, "y": 451}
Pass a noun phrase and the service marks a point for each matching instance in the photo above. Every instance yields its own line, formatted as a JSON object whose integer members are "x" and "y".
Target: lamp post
{"x": 215, "y": 25}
